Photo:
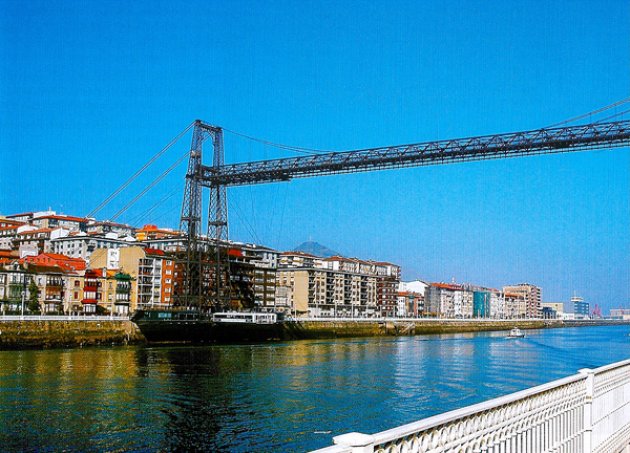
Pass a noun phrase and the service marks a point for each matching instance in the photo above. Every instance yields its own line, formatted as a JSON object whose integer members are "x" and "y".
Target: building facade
{"x": 336, "y": 286}
{"x": 531, "y": 294}
{"x": 581, "y": 309}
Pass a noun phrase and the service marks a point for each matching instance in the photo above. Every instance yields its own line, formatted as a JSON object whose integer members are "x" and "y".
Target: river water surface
{"x": 290, "y": 396}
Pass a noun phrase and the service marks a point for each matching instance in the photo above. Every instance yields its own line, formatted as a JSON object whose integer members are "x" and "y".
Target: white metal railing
{"x": 585, "y": 413}
{"x": 62, "y": 318}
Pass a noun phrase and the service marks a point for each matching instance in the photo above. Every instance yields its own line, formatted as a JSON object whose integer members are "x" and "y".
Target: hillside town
{"x": 53, "y": 263}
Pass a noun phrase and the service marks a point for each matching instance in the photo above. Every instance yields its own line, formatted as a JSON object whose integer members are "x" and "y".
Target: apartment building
{"x": 387, "y": 281}
{"x": 8, "y": 232}
{"x": 151, "y": 274}
{"x": 515, "y": 305}
{"x": 264, "y": 261}
{"x": 336, "y": 286}
{"x": 553, "y": 310}
{"x": 36, "y": 240}
{"x": 532, "y": 295}
{"x": 14, "y": 287}
{"x": 51, "y": 283}
{"x": 82, "y": 245}
{"x": 410, "y": 304}
{"x": 153, "y": 232}
{"x": 7, "y": 236}
{"x": 448, "y": 300}
{"x": 581, "y": 308}
{"x": 120, "y": 229}
{"x": 55, "y": 220}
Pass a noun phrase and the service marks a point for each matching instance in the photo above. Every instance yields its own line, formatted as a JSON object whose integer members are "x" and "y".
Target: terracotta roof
{"x": 63, "y": 261}
{"x": 341, "y": 258}
{"x": 150, "y": 251}
{"x": 450, "y": 286}
{"x": 41, "y": 269}
{"x": 155, "y": 229}
{"x": 63, "y": 217}
{"x": 308, "y": 255}
{"x": 94, "y": 273}
{"x": 40, "y": 230}
{"x": 12, "y": 222}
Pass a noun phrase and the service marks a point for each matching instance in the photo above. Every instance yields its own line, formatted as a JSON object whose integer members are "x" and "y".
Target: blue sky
{"x": 88, "y": 92}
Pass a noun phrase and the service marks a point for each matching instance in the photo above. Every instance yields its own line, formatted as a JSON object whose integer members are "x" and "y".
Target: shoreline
{"x": 47, "y": 334}
{"x": 321, "y": 329}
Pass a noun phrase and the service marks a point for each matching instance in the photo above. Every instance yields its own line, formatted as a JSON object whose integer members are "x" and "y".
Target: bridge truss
{"x": 220, "y": 176}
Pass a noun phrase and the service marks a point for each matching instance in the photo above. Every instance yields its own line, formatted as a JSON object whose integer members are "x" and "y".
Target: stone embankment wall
{"x": 59, "y": 334}
{"x": 56, "y": 334}
{"x": 340, "y": 329}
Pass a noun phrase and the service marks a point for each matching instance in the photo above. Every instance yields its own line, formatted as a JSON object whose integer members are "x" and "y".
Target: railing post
{"x": 360, "y": 443}
{"x": 587, "y": 437}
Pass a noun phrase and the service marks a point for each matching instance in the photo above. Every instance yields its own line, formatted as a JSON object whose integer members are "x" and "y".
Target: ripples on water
{"x": 272, "y": 397}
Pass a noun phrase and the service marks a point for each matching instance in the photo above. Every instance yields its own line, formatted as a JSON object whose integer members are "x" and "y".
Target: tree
{"x": 33, "y": 297}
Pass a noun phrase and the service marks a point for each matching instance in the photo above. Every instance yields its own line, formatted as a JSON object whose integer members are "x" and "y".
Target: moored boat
{"x": 516, "y": 333}
{"x": 192, "y": 326}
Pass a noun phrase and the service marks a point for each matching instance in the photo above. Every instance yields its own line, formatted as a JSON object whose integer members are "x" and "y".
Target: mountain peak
{"x": 315, "y": 248}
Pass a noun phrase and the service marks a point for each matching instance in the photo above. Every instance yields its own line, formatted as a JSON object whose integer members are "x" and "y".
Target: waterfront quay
{"x": 280, "y": 396}
{"x": 49, "y": 331}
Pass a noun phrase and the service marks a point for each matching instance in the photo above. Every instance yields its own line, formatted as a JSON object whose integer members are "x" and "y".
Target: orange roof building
{"x": 55, "y": 259}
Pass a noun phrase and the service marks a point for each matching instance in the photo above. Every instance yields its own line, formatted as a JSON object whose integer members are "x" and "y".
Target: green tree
{"x": 33, "y": 297}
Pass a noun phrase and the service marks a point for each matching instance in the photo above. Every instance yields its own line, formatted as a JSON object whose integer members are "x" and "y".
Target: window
{"x": 77, "y": 283}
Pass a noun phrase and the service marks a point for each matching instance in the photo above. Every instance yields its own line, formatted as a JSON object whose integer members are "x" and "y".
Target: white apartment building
{"x": 82, "y": 245}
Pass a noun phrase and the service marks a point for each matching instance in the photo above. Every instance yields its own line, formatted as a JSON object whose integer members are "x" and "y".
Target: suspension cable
{"x": 150, "y": 186}
{"x": 148, "y": 212}
{"x": 594, "y": 112}
{"x": 613, "y": 116}
{"x": 297, "y": 149}
{"x": 139, "y": 172}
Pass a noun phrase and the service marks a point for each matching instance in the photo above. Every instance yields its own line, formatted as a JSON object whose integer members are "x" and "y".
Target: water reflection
{"x": 271, "y": 396}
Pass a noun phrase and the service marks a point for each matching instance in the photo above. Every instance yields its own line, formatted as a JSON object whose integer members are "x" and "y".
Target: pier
{"x": 588, "y": 412}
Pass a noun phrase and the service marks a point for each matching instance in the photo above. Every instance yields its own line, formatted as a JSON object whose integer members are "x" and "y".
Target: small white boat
{"x": 516, "y": 333}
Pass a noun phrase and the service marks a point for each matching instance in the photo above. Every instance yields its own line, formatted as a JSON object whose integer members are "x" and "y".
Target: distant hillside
{"x": 315, "y": 248}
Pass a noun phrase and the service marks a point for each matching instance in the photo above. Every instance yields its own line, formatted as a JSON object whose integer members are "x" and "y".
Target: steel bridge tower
{"x": 206, "y": 256}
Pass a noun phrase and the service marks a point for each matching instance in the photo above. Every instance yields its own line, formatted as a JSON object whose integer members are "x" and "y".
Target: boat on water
{"x": 247, "y": 318}
{"x": 194, "y": 326}
{"x": 516, "y": 333}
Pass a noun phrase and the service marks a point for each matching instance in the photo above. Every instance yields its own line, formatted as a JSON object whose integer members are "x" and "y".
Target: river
{"x": 291, "y": 396}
